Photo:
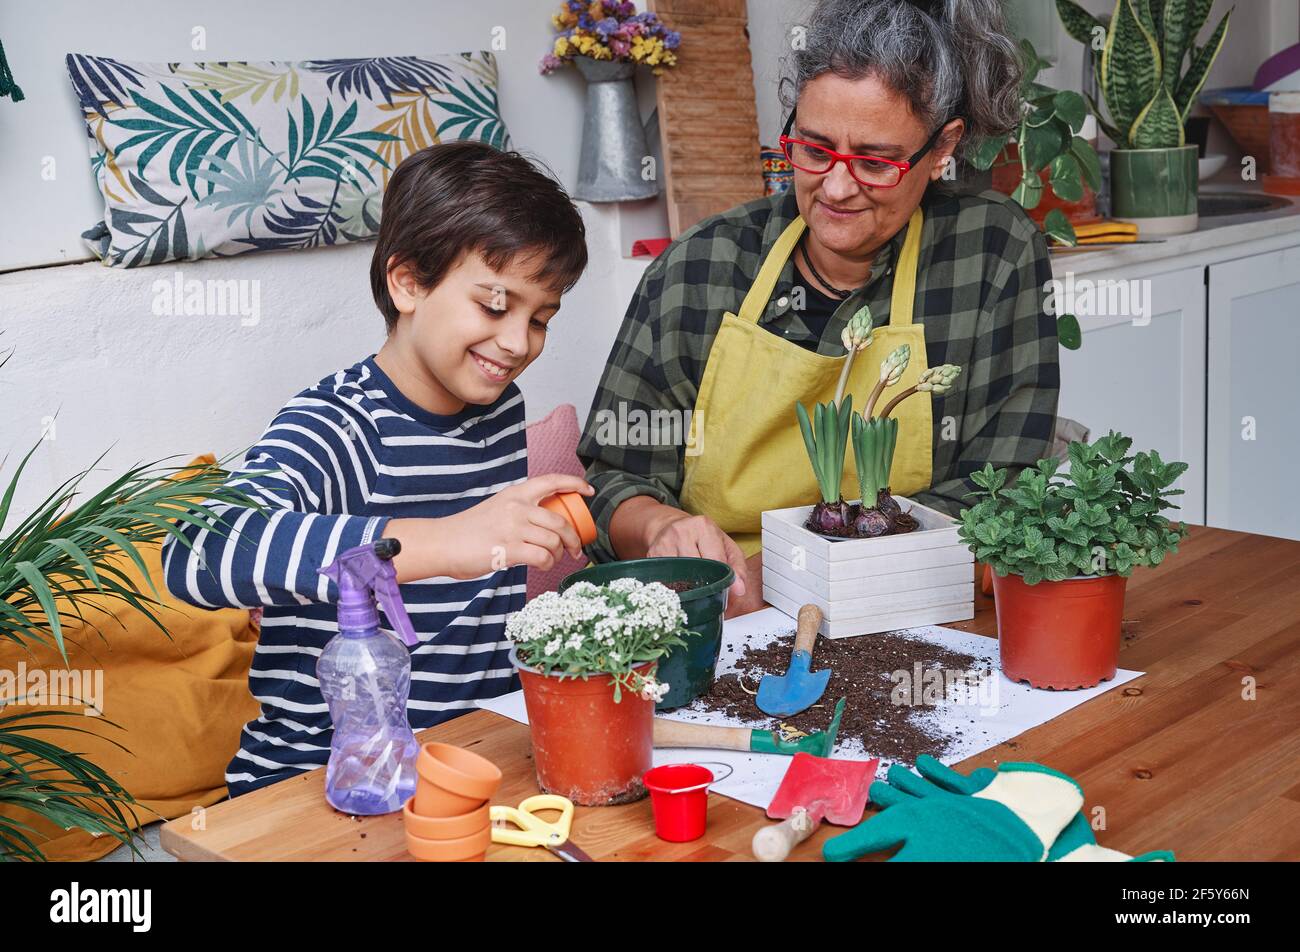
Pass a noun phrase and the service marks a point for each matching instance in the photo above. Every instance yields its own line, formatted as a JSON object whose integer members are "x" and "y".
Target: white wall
{"x": 87, "y": 348}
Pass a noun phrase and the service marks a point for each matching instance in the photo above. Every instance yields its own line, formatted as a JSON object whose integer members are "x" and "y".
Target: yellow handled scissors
{"x": 532, "y": 830}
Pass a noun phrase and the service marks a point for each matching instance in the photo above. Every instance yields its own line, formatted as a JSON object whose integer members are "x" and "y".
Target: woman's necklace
{"x": 807, "y": 259}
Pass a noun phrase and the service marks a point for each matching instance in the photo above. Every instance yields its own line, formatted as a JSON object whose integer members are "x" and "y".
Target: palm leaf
{"x": 233, "y": 80}
{"x": 475, "y": 115}
{"x": 100, "y": 81}
{"x": 388, "y": 74}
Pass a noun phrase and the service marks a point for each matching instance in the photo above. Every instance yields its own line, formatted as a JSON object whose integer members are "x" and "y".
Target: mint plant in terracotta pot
{"x": 1062, "y": 547}
{"x": 587, "y": 659}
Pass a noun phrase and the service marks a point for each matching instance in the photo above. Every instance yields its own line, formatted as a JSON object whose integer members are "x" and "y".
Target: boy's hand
{"x": 510, "y": 528}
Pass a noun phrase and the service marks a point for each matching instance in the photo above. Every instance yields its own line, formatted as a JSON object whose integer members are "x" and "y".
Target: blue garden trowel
{"x": 798, "y": 689}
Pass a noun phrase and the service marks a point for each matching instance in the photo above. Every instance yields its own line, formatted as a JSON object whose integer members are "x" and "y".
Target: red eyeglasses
{"x": 869, "y": 170}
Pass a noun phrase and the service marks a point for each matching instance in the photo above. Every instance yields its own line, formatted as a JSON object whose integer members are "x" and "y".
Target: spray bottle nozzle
{"x": 364, "y": 575}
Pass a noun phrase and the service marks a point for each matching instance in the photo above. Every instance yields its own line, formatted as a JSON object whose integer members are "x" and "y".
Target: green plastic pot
{"x": 688, "y": 669}
{"x": 1156, "y": 189}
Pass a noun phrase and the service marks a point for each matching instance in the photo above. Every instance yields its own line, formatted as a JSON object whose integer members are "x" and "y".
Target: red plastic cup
{"x": 679, "y": 796}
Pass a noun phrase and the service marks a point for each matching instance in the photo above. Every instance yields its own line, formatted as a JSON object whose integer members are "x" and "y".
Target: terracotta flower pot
{"x": 1061, "y": 635}
{"x": 452, "y": 781}
{"x": 472, "y": 847}
{"x": 585, "y": 746}
{"x": 445, "y": 827}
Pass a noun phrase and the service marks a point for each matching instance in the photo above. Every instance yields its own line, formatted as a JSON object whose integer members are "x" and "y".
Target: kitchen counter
{"x": 1217, "y": 239}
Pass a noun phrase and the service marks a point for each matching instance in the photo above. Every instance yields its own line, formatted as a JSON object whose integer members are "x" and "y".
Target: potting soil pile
{"x": 925, "y": 690}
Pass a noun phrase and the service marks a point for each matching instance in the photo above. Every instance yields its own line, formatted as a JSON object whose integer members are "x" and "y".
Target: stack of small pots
{"x": 448, "y": 820}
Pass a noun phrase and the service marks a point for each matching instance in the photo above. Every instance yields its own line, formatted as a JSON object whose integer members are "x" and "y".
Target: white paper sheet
{"x": 1000, "y": 711}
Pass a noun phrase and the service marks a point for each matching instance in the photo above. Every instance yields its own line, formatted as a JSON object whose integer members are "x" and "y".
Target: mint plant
{"x": 1102, "y": 517}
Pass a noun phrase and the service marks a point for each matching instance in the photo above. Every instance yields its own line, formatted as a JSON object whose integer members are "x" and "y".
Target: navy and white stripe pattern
{"x": 334, "y": 465}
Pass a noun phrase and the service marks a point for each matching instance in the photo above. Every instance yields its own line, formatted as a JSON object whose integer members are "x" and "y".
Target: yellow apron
{"x": 747, "y": 453}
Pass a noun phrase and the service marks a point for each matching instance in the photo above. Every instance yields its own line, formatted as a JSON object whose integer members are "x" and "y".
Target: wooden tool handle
{"x": 810, "y": 619}
{"x": 679, "y": 734}
{"x": 772, "y": 844}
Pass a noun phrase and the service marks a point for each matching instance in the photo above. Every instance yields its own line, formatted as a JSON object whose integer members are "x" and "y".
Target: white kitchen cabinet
{"x": 1252, "y": 421}
{"x": 1144, "y": 377}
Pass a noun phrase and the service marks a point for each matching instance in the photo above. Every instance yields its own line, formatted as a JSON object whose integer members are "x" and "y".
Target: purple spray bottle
{"x": 365, "y": 677}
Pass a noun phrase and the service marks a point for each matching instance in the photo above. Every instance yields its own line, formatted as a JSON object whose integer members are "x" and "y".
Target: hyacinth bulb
{"x": 831, "y": 518}
{"x": 871, "y": 523}
{"x": 888, "y": 504}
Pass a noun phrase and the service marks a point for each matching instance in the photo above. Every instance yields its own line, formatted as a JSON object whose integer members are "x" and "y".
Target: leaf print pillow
{"x": 217, "y": 159}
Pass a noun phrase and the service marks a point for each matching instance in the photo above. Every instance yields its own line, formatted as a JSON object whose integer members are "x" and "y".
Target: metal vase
{"x": 613, "y": 140}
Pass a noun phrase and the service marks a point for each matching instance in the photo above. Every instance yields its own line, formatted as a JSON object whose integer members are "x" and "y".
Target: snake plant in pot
{"x": 1150, "y": 72}
{"x": 1062, "y": 547}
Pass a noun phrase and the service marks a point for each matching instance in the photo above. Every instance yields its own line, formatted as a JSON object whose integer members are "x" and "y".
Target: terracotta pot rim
{"x": 454, "y": 778}
{"x": 1073, "y": 578}
{"x": 450, "y": 850}
{"x": 587, "y": 676}
{"x": 445, "y": 827}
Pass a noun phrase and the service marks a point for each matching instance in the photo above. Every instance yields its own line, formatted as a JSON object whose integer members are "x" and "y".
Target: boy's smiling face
{"x": 464, "y": 340}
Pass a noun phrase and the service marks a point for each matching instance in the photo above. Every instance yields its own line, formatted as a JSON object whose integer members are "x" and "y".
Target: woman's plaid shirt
{"x": 981, "y": 290}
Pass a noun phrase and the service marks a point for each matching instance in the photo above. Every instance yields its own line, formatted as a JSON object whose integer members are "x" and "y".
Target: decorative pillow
{"x": 553, "y": 448}
{"x": 199, "y": 159}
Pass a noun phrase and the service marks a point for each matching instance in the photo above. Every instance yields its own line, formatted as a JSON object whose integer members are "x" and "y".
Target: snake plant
{"x": 1148, "y": 94}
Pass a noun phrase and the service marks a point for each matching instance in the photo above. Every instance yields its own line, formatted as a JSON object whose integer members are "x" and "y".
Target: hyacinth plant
{"x": 826, "y": 435}
{"x": 874, "y": 441}
{"x": 611, "y": 30}
{"x": 601, "y": 629}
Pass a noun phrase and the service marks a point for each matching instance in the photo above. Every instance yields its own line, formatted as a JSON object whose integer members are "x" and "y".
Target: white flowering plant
{"x": 601, "y": 629}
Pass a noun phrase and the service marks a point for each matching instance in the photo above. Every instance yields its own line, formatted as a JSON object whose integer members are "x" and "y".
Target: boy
{"x": 422, "y": 442}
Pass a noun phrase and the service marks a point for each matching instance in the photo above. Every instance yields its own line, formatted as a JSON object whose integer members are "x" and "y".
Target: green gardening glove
{"x": 1011, "y": 814}
{"x": 1075, "y": 843}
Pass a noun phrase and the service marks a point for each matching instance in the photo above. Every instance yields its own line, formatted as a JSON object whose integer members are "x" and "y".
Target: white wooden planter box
{"x": 864, "y": 586}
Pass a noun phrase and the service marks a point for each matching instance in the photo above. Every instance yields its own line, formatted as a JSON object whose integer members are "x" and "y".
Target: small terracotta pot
{"x": 585, "y": 746}
{"x": 445, "y": 827}
{"x": 1060, "y": 635}
{"x": 452, "y": 781}
{"x": 573, "y": 507}
{"x": 472, "y": 847}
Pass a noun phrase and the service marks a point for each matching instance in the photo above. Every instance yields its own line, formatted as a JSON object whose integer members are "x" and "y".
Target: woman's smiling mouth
{"x": 839, "y": 214}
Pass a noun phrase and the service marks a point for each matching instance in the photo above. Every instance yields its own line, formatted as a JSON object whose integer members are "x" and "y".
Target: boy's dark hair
{"x": 457, "y": 197}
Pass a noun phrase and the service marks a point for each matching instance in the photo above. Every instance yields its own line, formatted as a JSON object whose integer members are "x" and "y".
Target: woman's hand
{"x": 509, "y": 528}
{"x": 643, "y": 527}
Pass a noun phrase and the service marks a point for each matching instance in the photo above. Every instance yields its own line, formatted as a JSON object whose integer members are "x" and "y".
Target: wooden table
{"x": 1181, "y": 758}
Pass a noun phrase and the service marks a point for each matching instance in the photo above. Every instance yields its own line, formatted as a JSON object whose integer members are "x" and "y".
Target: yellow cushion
{"x": 179, "y": 704}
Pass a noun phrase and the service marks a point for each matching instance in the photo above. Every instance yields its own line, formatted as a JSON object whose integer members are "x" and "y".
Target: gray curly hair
{"x": 947, "y": 57}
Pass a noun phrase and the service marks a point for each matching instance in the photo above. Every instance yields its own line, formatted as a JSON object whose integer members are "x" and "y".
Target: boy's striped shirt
{"x": 334, "y": 465}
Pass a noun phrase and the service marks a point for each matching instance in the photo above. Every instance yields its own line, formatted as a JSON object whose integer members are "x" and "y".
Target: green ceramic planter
{"x": 1156, "y": 189}
{"x": 688, "y": 669}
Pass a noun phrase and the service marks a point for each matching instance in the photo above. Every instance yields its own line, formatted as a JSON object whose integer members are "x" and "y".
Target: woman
{"x": 742, "y": 316}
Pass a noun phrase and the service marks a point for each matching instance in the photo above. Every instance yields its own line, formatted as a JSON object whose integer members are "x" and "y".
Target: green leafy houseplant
{"x": 1147, "y": 92}
{"x": 1046, "y": 139}
{"x": 1102, "y": 518}
{"x": 58, "y": 567}
{"x": 608, "y": 629}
